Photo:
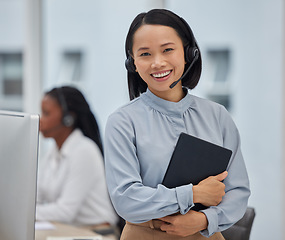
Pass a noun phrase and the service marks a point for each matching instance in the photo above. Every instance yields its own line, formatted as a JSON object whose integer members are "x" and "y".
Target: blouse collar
{"x": 69, "y": 143}
{"x": 168, "y": 107}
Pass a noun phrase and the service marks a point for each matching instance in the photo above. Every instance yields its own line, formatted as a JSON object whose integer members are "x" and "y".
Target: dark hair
{"x": 77, "y": 105}
{"x": 166, "y": 18}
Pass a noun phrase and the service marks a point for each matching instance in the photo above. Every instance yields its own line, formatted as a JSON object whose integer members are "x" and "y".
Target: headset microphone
{"x": 196, "y": 55}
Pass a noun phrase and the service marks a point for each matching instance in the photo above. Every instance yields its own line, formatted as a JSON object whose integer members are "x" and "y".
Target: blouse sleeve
{"x": 132, "y": 200}
{"x": 234, "y": 203}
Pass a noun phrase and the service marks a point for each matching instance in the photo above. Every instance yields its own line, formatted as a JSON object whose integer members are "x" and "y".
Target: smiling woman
{"x": 183, "y": 31}
{"x": 163, "y": 63}
{"x": 158, "y": 55}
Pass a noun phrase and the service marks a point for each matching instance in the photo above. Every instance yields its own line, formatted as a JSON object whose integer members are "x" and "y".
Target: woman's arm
{"x": 184, "y": 225}
{"x": 232, "y": 207}
{"x": 133, "y": 200}
{"x": 208, "y": 192}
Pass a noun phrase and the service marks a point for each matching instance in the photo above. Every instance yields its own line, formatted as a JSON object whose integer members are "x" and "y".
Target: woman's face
{"x": 158, "y": 54}
{"x": 50, "y": 120}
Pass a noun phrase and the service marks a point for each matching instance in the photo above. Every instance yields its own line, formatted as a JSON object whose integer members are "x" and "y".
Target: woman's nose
{"x": 158, "y": 61}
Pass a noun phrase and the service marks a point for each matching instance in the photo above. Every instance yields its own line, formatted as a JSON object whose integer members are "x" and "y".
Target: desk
{"x": 63, "y": 230}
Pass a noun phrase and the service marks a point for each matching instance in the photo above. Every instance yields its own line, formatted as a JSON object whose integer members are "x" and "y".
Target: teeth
{"x": 160, "y": 75}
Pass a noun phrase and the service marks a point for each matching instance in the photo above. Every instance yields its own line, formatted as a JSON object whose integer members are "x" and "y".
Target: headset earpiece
{"x": 129, "y": 63}
{"x": 190, "y": 53}
{"x": 68, "y": 120}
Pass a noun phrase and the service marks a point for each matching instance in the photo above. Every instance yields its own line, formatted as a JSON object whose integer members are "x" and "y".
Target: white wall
{"x": 11, "y": 25}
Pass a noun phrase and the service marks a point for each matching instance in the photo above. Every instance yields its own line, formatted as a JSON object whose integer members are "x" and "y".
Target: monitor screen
{"x": 19, "y": 134}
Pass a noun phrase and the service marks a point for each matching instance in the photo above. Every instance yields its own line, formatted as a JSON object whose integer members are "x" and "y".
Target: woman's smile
{"x": 162, "y": 75}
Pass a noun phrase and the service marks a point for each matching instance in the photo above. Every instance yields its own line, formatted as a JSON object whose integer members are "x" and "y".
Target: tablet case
{"x": 193, "y": 160}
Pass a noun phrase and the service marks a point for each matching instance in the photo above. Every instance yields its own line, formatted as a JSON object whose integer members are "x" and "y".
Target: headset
{"x": 68, "y": 119}
{"x": 191, "y": 51}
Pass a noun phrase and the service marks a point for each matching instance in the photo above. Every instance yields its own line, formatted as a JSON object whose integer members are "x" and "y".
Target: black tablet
{"x": 193, "y": 160}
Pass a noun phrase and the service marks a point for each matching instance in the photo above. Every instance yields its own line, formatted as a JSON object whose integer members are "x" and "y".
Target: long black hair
{"x": 76, "y": 105}
{"x": 166, "y": 18}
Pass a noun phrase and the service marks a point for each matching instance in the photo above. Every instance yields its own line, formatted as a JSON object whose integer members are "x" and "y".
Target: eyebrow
{"x": 163, "y": 45}
{"x": 168, "y": 43}
{"x": 142, "y": 49}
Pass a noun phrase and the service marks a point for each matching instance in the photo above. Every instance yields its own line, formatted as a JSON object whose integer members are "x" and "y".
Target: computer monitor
{"x": 19, "y": 134}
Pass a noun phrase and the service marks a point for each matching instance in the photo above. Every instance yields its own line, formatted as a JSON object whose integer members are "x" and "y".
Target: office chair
{"x": 241, "y": 229}
{"x": 121, "y": 224}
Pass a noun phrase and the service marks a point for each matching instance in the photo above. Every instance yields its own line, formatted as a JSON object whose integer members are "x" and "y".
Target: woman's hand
{"x": 210, "y": 191}
{"x": 184, "y": 225}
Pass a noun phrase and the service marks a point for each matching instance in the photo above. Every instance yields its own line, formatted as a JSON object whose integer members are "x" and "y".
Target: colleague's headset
{"x": 68, "y": 119}
{"x": 191, "y": 51}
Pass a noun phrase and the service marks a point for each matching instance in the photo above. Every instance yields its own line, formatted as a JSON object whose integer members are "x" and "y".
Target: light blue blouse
{"x": 139, "y": 140}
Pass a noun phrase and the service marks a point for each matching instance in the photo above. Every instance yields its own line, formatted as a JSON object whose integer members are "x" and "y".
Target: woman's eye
{"x": 168, "y": 49}
{"x": 45, "y": 113}
{"x": 144, "y": 54}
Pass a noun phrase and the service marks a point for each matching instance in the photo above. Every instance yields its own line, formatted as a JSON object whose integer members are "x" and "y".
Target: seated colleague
{"x": 71, "y": 183}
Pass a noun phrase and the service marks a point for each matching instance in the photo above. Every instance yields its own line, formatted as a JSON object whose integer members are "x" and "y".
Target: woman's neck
{"x": 60, "y": 139}
{"x": 172, "y": 96}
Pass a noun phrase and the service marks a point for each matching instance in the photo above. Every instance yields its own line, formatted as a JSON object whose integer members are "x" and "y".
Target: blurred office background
{"x": 46, "y": 43}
